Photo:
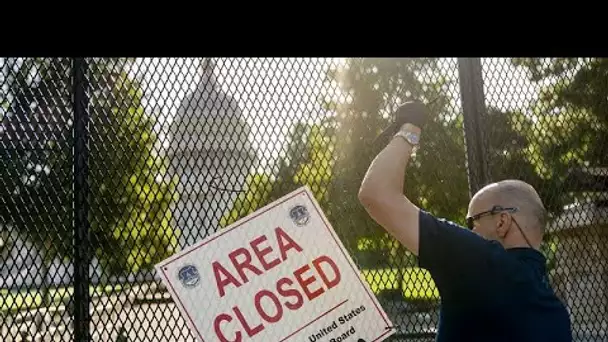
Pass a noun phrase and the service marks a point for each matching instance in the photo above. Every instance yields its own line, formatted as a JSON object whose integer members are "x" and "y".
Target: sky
{"x": 273, "y": 92}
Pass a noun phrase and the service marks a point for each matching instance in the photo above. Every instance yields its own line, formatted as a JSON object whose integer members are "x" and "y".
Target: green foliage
{"x": 32, "y": 299}
{"x": 571, "y": 113}
{"x": 130, "y": 220}
{"x": 570, "y": 129}
{"x": 512, "y": 153}
{"x": 308, "y": 161}
{"x": 259, "y": 189}
{"x": 531, "y": 148}
{"x": 35, "y": 171}
{"x": 436, "y": 177}
{"x": 414, "y": 283}
{"x": 332, "y": 157}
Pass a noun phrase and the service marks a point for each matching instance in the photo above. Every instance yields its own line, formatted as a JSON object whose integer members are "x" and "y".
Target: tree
{"x": 35, "y": 163}
{"x": 436, "y": 176}
{"x": 569, "y": 131}
{"x": 308, "y": 161}
{"x": 571, "y": 114}
{"x": 332, "y": 157}
{"x": 129, "y": 194}
{"x": 511, "y": 154}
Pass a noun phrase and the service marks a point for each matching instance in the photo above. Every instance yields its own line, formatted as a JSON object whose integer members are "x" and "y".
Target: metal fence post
{"x": 473, "y": 104}
{"x": 81, "y": 191}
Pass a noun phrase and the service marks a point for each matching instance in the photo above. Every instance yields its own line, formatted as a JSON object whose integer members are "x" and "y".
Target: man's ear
{"x": 502, "y": 226}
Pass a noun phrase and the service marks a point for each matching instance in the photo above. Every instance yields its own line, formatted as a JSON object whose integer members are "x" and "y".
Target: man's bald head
{"x": 516, "y": 193}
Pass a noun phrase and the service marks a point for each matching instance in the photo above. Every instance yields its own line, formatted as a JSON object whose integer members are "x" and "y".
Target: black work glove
{"x": 412, "y": 112}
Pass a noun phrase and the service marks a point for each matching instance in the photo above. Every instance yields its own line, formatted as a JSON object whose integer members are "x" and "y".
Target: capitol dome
{"x": 211, "y": 154}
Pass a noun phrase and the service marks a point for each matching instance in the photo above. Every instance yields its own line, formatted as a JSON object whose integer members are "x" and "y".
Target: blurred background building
{"x": 211, "y": 154}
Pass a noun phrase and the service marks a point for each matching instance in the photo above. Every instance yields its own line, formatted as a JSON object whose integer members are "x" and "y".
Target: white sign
{"x": 279, "y": 274}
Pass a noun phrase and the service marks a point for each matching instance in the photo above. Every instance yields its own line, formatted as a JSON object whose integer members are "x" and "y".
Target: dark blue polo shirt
{"x": 489, "y": 293}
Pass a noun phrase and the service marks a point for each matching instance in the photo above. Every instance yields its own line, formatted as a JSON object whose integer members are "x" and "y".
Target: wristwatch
{"x": 411, "y": 137}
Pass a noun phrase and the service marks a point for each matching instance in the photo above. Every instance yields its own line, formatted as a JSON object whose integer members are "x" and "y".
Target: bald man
{"x": 491, "y": 277}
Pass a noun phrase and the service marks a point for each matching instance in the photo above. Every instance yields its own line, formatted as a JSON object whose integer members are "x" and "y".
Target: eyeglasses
{"x": 495, "y": 210}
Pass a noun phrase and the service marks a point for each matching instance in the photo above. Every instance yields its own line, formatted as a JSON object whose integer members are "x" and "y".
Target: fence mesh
{"x": 176, "y": 149}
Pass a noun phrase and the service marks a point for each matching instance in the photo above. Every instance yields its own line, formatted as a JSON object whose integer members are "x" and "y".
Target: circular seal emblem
{"x": 188, "y": 275}
{"x": 299, "y": 214}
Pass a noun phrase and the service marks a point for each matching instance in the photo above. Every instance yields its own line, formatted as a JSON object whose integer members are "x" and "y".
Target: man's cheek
{"x": 486, "y": 233}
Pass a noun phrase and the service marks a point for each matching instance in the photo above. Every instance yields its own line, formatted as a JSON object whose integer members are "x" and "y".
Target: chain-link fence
{"x": 111, "y": 165}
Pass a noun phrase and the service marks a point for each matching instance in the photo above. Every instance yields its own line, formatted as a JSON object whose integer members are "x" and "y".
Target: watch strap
{"x": 406, "y": 136}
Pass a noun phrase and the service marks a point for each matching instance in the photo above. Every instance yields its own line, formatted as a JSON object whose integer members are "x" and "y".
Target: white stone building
{"x": 210, "y": 153}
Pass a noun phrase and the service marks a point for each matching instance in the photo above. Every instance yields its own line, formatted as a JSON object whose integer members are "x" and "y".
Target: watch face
{"x": 413, "y": 138}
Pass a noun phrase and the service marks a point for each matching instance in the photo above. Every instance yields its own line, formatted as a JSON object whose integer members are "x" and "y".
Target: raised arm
{"x": 381, "y": 192}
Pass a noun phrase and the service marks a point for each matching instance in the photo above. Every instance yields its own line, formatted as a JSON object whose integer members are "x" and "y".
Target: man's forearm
{"x": 381, "y": 194}
{"x": 386, "y": 172}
